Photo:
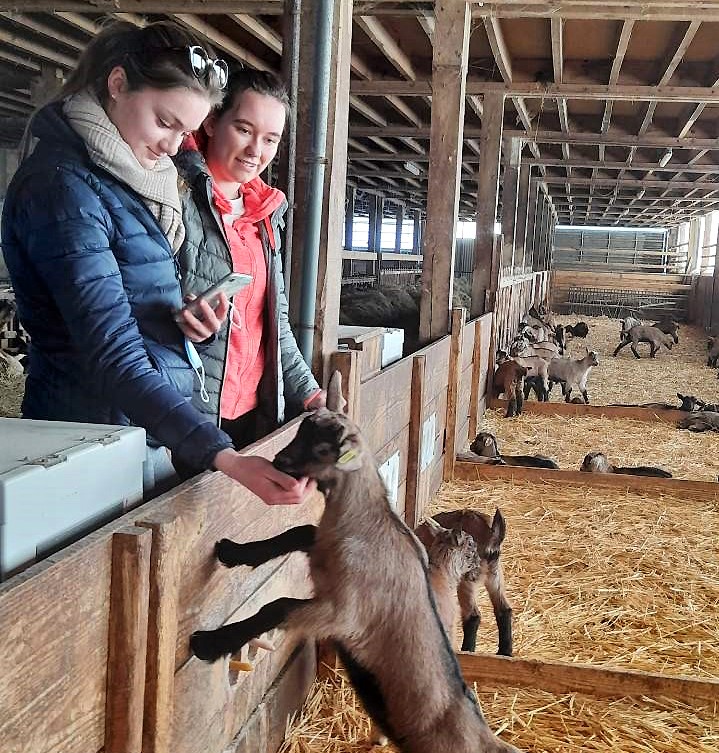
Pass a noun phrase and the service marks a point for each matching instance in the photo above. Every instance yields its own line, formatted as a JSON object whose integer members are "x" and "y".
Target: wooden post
{"x": 349, "y": 216}
{"x": 521, "y": 256}
{"x": 510, "y": 189}
{"x": 449, "y": 74}
{"x": 485, "y": 277}
{"x": 417, "y": 232}
{"x": 376, "y": 216}
{"x": 413, "y": 511}
{"x": 454, "y": 375}
{"x": 127, "y": 645}
{"x": 399, "y": 215}
{"x": 529, "y": 242}
{"x": 329, "y": 275}
{"x": 347, "y": 363}
{"x": 475, "y": 397}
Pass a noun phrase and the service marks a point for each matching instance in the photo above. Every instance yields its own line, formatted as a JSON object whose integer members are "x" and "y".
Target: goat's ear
{"x": 487, "y": 441}
{"x": 680, "y": 396}
{"x": 499, "y": 528}
{"x": 335, "y": 399}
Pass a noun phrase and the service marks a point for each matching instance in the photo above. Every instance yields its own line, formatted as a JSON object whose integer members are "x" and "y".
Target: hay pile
{"x": 616, "y": 580}
{"x": 625, "y": 380}
{"x": 11, "y": 392}
{"x": 567, "y": 439}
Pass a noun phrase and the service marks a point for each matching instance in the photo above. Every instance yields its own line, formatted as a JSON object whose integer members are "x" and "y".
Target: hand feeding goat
{"x": 371, "y": 596}
{"x": 596, "y": 462}
{"x": 485, "y": 445}
{"x": 570, "y": 374}
{"x": 643, "y": 333}
{"x": 488, "y": 535}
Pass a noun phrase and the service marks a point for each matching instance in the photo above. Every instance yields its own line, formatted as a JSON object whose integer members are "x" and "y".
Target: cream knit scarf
{"x": 107, "y": 149}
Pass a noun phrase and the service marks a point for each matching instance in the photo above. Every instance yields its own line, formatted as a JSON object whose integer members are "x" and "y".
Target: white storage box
{"x": 379, "y": 346}
{"x": 58, "y": 481}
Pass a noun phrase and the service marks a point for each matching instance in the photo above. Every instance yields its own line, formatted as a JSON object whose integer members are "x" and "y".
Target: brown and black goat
{"x": 509, "y": 379}
{"x": 372, "y": 596}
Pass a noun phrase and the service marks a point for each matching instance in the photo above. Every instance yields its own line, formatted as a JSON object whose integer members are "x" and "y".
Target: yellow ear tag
{"x": 347, "y": 457}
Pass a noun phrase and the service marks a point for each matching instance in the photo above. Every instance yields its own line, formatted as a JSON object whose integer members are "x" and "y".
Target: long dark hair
{"x": 154, "y": 56}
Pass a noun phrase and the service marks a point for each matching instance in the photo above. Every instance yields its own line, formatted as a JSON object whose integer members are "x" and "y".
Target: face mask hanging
{"x": 198, "y": 367}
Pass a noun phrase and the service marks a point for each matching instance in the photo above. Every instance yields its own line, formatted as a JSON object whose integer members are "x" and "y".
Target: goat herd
{"x": 536, "y": 362}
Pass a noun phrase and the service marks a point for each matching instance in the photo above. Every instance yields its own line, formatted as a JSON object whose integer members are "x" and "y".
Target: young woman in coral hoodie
{"x": 254, "y": 373}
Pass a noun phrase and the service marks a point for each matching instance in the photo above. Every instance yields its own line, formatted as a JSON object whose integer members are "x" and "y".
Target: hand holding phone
{"x": 229, "y": 285}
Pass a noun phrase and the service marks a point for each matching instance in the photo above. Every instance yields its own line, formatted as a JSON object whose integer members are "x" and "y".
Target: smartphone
{"x": 229, "y": 285}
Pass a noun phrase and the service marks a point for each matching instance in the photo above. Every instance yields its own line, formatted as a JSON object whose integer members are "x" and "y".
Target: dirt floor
{"x": 624, "y": 379}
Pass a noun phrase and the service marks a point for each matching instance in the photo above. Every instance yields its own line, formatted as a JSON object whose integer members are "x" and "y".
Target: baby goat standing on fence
{"x": 371, "y": 596}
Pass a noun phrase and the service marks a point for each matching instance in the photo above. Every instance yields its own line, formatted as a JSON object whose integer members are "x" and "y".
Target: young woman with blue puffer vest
{"x": 91, "y": 225}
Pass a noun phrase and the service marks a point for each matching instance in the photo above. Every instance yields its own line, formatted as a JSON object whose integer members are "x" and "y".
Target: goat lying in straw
{"x": 372, "y": 596}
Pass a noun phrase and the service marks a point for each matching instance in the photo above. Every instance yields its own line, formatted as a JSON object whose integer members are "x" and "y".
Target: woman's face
{"x": 153, "y": 122}
{"x": 244, "y": 140}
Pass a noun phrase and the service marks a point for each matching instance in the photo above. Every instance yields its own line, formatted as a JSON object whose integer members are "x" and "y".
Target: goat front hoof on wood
{"x": 205, "y": 645}
{"x": 231, "y": 554}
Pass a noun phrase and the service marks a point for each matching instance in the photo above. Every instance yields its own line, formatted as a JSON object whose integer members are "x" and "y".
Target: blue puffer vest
{"x": 96, "y": 284}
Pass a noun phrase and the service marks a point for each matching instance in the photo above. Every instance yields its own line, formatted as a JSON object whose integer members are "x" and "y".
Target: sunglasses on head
{"x": 201, "y": 63}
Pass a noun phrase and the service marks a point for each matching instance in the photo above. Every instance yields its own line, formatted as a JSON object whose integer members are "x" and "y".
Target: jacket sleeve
{"x": 68, "y": 235}
{"x": 299, "y": 382}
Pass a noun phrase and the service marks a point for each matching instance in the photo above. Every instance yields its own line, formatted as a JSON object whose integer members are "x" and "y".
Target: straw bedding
{"x": 11, "y": 392}
{"x": 567, "y": 439}
{"x": 625, "y": 380}
{"x": 609, "y": 578}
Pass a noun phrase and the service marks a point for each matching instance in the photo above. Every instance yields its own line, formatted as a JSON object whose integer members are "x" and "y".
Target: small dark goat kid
{"x": 488, "y": 534}
{"x": 372, "y": 596}
{"x": 596, "y": 462}
{"x": 668, "y": 327}
{"x": 580, "y": 329}
{"x": 509, "y": 379}
{"x": 712, "y": 351}
{"x": 485, "y": 445}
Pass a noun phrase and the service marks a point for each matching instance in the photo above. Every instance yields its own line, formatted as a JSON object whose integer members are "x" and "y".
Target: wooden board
{"x": 605, "y": 411}
{"x": 54, "y": 619}
{"x": 464, "y": 470}
{"x": 564, "y": 677}
{"x": 436, "y": 368}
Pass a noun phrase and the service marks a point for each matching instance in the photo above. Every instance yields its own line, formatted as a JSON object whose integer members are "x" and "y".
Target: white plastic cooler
{"x": 58, "y": 481}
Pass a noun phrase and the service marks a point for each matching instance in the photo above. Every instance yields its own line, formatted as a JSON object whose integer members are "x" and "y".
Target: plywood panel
{"x": 436, "y": 368}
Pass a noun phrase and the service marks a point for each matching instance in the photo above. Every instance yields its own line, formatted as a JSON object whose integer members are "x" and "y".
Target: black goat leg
{"x": 254, "y": 553}
{"x": 470, "y": 626}
{"x": 586, "y": 397}
{"x": 210, "y": 645}
{"x": 503, "y": 617}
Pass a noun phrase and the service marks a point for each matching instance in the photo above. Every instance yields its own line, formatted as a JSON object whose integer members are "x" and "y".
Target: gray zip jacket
{"x": 203, "y": 260}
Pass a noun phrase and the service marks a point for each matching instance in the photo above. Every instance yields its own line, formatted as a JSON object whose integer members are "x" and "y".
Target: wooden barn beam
{"x": 557, "y": 137}
{"x": 510, "y": 192}
{"x": 485, "y": 277}
{"x": 630, "y": 183}
{"x": 79, "y": 22}
{"x": 638, "y": 166}
{"x": 449, "y": 72}
{"x": 259, "y": 30}
{"x": 35, "y": 49}
{"x": 667, "y": 10}
{"x": 680, "y": 44}
{"x": 32, "y": 24}
{"x": 387, "y": 45}
{"x": 532, "y": 90}
{"x": 523, "y": 209}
